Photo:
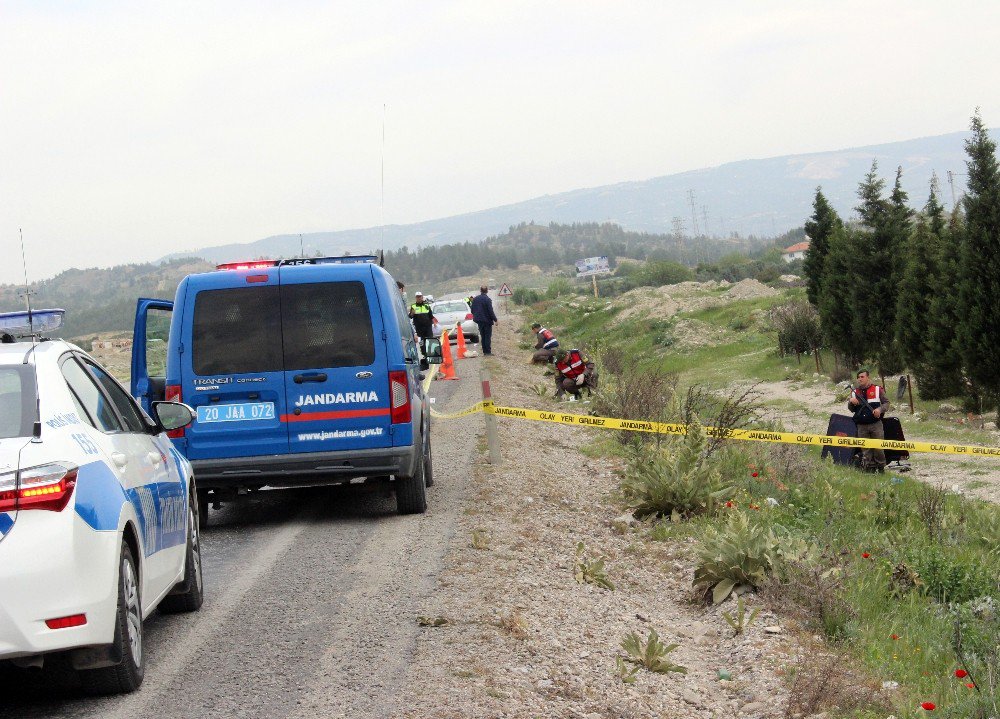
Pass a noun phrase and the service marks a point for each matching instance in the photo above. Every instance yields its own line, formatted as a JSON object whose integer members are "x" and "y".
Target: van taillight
{"x": 172, "y": 393}
{"x": 399, "y": 395}
{"x": 48, "y": 486}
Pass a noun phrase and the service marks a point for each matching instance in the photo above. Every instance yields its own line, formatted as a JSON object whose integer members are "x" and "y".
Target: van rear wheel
{"x": 411, "y": 492}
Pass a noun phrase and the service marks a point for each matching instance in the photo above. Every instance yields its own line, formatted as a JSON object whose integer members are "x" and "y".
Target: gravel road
{"x": 311, "y": 599}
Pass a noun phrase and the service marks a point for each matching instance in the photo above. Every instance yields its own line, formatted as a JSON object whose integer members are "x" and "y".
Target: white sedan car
{"x": 98, "y": 516}
{"x": 449, "y": 313}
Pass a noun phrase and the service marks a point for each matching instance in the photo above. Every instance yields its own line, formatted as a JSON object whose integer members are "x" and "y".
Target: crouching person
{"x": 574, "y": 372}
{"x": 546, "y": 344}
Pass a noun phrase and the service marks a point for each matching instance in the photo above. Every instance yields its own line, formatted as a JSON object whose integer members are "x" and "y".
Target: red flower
{"x": 753, "y": 474}
{"x": 730, "y": 505}
{"x": 929, "y": 706}
{"x": 894, "y": 637}
{"x": 865, "y": 555}
{"x": 961, "y": 673}
{"x": 970, "y": 685}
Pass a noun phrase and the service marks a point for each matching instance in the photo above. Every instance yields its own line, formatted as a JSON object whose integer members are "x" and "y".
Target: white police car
{"x": 98, "y": 521}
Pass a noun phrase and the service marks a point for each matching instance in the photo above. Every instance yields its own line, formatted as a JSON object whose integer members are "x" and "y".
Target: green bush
{"x": 558, "y": 287}
{"x": 675, "y": 481}
{"x": 737, "y": 556}
{"x": 526, "y": 296}
{"x": 948, "y": 578}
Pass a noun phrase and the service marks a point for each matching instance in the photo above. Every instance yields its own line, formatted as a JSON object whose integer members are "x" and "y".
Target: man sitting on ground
{"x": 546, "y": 345}
{"x": 573, "y": 373}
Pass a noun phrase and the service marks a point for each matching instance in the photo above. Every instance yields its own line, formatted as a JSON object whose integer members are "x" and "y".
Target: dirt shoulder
{"x": 523, "y": 638}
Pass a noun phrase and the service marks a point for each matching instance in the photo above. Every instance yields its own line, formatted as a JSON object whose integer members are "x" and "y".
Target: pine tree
{"x": 818, "y": 228}
{"x": 979, "y": 290}
{"x": 913, "y": 296}
{"x": 836, "y": 311}
{"x": 941, "y": 375}
{"x": 874, "y": 264}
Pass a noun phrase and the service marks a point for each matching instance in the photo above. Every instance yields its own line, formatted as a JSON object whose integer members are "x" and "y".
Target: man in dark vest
{"x": 869, "y": 405}
{"x": 484, "y": 316}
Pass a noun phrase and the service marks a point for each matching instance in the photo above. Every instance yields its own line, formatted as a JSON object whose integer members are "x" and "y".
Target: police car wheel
{"x": 126, "y": 676}
{"x": 191, "y": 594}
{"x": 411, "y": 492}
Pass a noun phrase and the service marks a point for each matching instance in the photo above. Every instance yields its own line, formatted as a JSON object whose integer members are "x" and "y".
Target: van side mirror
{"x": 432, "y": 350}
{"x": 172, "y": 415}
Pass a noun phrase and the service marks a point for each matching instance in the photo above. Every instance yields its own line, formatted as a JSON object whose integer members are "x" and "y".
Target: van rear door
{"x": 232, "y": 374}
{"x": 336, "y": 371}
{"x": 149, "y": 350}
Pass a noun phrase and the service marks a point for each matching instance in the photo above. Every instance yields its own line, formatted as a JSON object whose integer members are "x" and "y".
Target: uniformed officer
{"x": 422, "y": 316}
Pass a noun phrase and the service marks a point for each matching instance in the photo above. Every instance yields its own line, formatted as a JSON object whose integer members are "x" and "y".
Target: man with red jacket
{"x": 869, "y": 405}
{"x": 573, "y": 373}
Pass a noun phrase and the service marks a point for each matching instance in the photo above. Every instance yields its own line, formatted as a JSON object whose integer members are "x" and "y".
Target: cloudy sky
{"x": 132, "y": 129}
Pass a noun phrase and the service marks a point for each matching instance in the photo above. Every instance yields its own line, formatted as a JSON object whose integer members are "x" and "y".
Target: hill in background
{"x": 102, "y": 300}
{"x": 748, "y": 198}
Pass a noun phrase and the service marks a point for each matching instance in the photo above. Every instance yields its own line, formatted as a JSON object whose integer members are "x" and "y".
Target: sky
{"x": 129, "y": 130}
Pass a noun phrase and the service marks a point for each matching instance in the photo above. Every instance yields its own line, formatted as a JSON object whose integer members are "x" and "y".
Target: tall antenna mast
{"x": 381, "y": 209}
{"x": 27, "y": 288}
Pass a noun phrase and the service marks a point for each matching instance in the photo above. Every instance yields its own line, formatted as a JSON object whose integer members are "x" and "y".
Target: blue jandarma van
{"x": 301, "y": 372}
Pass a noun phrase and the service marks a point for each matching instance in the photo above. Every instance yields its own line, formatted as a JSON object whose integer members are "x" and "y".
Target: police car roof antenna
{"x": 36, "y": 428}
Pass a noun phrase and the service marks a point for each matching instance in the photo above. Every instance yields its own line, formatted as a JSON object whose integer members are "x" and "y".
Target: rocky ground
{"x": 523, "y": 638}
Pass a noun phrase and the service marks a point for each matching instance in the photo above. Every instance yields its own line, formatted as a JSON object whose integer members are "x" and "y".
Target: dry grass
{"x": 825, "y": 682}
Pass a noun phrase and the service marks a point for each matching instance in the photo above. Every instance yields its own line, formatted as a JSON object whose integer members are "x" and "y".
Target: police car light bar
{"x": 250, "y": 265}
{"x": 261, "y": 264}
{"x": 21, "y": 324}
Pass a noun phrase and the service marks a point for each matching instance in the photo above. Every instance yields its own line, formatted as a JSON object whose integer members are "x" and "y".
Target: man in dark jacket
{"x": 869, "y": 404}
{"x": 484, "y": 316}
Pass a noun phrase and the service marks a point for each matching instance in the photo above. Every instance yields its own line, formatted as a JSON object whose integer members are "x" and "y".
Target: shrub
{"x": 558, "y": 287}
{"x": 634, "y": 392}
{"x": 798, "y": 326}
{"x": 675, "y": 481}
{"x": 526, "y": 296}
{"x": 814, "y": 594}
{"x": 735, "y": 557}
{"x": 948, "y": 578}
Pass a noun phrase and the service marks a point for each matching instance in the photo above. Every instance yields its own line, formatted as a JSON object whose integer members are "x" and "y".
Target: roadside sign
{"x": 504, "y": 290}
{"x": 592, "y": 266}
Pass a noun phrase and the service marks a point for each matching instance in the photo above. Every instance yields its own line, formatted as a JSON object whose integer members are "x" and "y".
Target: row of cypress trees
{"x": 916, "y": 290}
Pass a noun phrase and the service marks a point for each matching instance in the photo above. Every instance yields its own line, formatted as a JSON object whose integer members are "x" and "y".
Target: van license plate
{"x": 236, "y": 412}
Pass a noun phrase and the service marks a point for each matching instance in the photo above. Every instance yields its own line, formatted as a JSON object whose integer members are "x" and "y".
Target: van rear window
{"x": 327, "y": 324}
{"x": 237, "y": 331}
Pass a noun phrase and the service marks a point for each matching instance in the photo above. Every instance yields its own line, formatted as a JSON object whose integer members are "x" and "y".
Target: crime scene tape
{"x": 474, "y": 409}
{"x": 742, "y": 435}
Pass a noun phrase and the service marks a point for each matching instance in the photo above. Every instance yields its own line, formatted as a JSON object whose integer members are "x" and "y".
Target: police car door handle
{"x": 311, "y": 377}
{"x": 120, "y": 459}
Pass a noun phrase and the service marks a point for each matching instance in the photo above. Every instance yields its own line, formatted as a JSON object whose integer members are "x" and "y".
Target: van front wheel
{"x": 411, "y": 492}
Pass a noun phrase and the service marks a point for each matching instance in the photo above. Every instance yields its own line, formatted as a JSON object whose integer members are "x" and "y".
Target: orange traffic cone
{"x": 448, "y": 366}
{"x": 461, "y": 341}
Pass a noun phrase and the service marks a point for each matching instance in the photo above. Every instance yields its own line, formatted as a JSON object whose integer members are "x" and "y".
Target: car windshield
{"x": 442, "y": 307}
{"x": 17, "y": 401}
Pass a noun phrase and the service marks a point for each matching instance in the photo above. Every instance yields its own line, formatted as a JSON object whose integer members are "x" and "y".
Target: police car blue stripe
{"x": 99, "y": 496}
{"x": 99, "y": 500}
{"x": 6, "y": 522}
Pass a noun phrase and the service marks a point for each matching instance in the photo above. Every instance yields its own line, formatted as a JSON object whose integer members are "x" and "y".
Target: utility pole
{"x": 951, "y": 183}
{"x": 694, "y": 213}
{"x": 704, "y": 217}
